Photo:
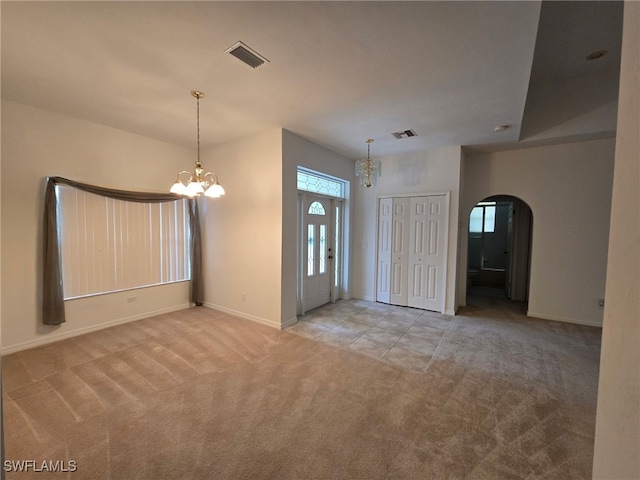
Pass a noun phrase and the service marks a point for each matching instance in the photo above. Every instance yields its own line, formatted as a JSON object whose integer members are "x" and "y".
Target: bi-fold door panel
{"x": 385, "y": 219}
{"x": 435, "y": 261}
{"x": 400, "y": 251}
{"x": 418, "y": 234}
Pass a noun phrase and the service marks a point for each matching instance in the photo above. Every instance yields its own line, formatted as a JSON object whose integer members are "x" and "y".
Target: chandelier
{"x": 199, "y": 182}
{"x": 368, "y": 170}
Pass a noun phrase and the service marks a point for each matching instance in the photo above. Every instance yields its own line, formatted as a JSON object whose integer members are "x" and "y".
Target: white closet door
{"x": 399, "y": 251}
{"x": 412, "y": 251}
{"x": 385, "y": 221}
{"x": 435, "y": 250}
{"x": 419, "y": 223}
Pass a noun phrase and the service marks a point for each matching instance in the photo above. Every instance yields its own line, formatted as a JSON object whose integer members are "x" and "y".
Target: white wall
{"x": 242, "y": 231}
{"x": 571, "y": 107}
{"x": 617, "y": 440}
{"x": 297, "y": 151}
{"x": 433, "y": 171}
{"x": 36, "y": 144}
{"x": 250, "y": 234}
{"x": 463, "y": 237}
{"x": 568, "y": 188}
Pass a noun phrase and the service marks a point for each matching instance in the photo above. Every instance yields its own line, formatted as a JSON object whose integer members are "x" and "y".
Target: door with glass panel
{"x": 318, "y": 251}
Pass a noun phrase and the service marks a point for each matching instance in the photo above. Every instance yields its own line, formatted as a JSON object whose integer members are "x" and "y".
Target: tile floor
{"x": 401, "y": 336}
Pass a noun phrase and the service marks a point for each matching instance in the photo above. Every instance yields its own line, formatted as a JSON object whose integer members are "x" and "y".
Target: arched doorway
{"x": 499, "y": 248}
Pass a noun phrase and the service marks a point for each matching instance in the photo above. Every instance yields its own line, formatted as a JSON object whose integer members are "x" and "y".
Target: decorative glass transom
{"x": 316, "y": 208}
{"x": 312, "y": 182}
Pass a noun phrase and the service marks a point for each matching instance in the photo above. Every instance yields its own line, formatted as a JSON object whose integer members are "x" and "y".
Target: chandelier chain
{"x": 198, "y": 123}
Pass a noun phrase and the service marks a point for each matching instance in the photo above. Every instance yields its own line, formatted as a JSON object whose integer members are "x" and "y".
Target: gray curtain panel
{"x": 52, "y": 292}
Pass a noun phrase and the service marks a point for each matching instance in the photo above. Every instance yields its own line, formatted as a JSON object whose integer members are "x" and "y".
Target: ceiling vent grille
{"x": 404, "y": 134}
{"x": 246, "y": 54}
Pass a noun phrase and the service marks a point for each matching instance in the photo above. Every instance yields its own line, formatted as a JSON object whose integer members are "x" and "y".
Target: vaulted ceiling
{"x": 337, "y": 72}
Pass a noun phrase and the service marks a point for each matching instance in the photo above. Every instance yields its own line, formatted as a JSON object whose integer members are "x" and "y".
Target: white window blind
{"x": 109, "y": 245}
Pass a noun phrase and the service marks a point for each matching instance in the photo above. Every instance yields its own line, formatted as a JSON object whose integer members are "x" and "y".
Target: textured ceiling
{"x": 338, "y": 72}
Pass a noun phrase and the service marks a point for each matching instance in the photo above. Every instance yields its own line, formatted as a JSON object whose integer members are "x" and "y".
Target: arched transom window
{"x": 316, "y": 208}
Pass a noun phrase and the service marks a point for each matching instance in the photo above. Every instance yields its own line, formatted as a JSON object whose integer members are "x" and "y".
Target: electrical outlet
{"x": 244, "y": 297}
{"x": 132, "y": 299}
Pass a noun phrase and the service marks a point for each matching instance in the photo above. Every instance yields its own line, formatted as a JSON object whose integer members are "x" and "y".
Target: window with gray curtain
{"x": 136, "y": 218}
{"x": 109, "y": 245}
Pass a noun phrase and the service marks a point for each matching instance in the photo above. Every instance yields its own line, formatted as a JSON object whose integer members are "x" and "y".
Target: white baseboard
{"x": 368, "y": 298}
{"x": 56, "y": 337}
{"x": 290, "y": 322}
{"x": 246, "y": 316}
{"x": 557, "y": 318}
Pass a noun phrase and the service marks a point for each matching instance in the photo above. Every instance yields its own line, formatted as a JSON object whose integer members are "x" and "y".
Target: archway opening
{"x": 499, "y": 248}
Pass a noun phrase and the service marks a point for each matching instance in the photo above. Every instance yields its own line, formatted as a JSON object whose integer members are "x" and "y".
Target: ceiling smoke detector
{"x": 404, "y": 134}
{"x": 247, "y": 55}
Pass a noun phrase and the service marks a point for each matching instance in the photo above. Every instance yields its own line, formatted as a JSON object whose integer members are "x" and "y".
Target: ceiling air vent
{"x": 404, "y": 134}
{"x": 246, "y": 54}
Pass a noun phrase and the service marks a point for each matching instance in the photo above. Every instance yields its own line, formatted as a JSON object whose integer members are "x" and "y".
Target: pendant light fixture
{"x": 368, "y": 170}
{"x": 199, "y": 183}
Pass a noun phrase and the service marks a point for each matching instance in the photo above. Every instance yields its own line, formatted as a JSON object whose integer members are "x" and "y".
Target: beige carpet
{"x": 201, "y": 395}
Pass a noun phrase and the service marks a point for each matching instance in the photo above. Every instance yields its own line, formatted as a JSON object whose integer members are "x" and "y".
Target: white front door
{"x": 318, "y": 251}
